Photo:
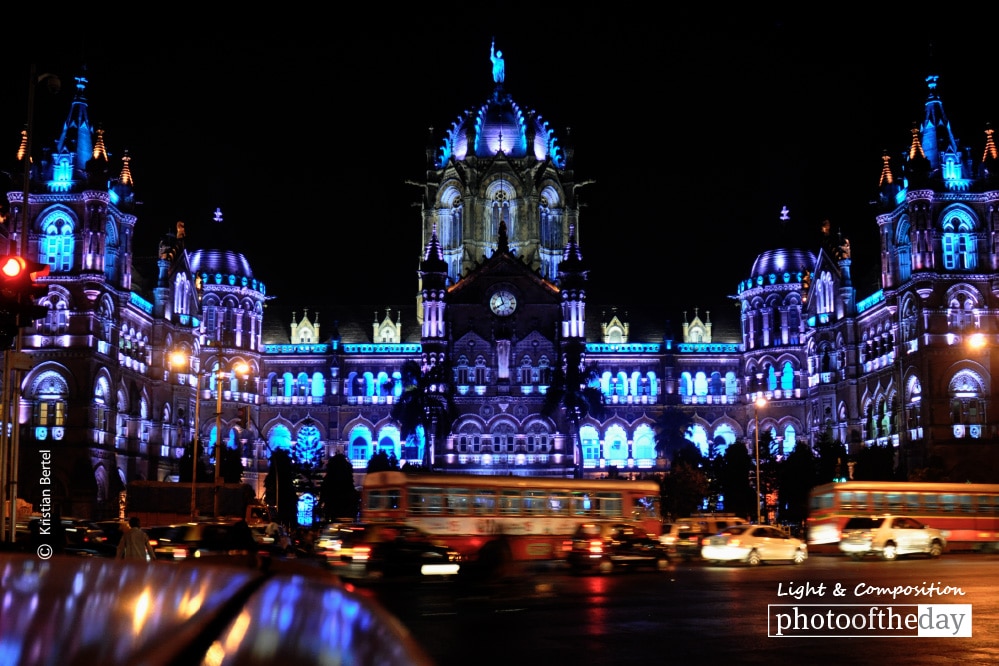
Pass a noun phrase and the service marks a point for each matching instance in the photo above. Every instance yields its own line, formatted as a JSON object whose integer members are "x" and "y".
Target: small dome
{"x": 220, "y": 261}
{"x": 782, "y": 265}
{"x": 224, "y": 267}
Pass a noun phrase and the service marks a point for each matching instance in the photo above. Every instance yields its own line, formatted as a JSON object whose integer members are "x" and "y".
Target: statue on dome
{"x": 499, "y": 69}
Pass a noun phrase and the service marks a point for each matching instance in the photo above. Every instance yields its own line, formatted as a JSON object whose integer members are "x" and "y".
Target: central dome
{"x": 499, "y": 125}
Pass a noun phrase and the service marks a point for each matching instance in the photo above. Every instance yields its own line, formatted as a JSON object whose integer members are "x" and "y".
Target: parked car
{"x": 112, "y": 531}
{"x": 215, "y": 540}
{"x": 685, "y": 537}
{"x": 75, "y": 536}
{"x": 754, "y": 544}
{"x": 606, "y": 546}
{"x": 890, "y": 536}
{"x": 371, "y": 551}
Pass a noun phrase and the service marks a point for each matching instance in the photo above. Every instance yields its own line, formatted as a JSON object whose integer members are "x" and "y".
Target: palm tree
{"x": 575, "y": 391}
{"x": 671, "y": 432}
{"x": 426, "y": 405}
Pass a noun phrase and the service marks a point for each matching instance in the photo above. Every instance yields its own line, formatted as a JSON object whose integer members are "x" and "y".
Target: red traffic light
{"x": 15, "y": 268}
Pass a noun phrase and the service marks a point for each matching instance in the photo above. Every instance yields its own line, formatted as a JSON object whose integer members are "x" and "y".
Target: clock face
{"x": 503, "y": 303}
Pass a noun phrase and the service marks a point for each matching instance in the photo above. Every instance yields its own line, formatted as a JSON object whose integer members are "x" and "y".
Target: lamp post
{"x": 760, "y": 402}
{"x": 177, "y": 359}
{"x": 14, "y": 362}
{"x": 238, "y": 368}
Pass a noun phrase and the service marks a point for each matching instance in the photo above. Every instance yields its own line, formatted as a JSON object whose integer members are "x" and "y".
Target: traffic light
{"x": 244, "y": 417}
{"x": 18, "y": 292}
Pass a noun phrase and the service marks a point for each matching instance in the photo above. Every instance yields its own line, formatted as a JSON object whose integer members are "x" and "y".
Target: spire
{"x": 886, "y": 177}
{"x": 100, "y": 152}
{"x": 990, "y": 146}
{"x": 126, "y": 174}
{"x": 23, "y": 148}
{"x": 916, "y": 147}
{"x": 572, "y": 251}
{"x": 76, "y": 134}
{"x": 572, "y": 270}
{"x": 433, "y": 268}
{"x": 937, "y": 136}
{"x": 917, "y": 166}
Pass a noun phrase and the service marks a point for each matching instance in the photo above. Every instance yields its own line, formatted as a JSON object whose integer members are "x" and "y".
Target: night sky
{"x": 697, "y": 131}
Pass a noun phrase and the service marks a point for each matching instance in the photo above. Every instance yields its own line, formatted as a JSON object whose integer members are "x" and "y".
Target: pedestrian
{"x": 134, "y": 544}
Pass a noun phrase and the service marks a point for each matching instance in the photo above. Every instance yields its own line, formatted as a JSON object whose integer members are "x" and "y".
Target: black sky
{"x": 697, "y": 130}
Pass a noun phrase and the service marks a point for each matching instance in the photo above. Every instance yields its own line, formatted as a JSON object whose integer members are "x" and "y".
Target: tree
{"x": 426, "y": 405}
{"x": 671, "y": 432}
{"x": 875, "y": 462}
{"x": 796, "y": 477}
{"x": 575, "y": 393}
{"x": 337, "y": 493}
{"x": 279, "y": 488}
{"x": 734, "y": 469}
{"x": 832, "y": 460}
{"x": 686, "y": 484}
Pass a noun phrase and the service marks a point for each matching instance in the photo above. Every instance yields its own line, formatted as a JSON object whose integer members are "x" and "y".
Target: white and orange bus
{"x": 537, "y": 515}
{"x": 969, "y": 512}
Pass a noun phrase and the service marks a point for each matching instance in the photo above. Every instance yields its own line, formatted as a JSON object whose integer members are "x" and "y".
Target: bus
{"x": 969, "y": 512}
{"x": 536, "y": 515}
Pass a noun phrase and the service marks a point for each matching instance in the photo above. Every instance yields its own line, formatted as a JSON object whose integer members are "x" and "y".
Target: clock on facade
{"x": 503, "y": 303}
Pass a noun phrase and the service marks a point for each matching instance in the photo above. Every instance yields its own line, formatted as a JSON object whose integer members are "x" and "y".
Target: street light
{"x": 239, "y": 368}
{"x": 760, "y": 403}
{"x": 179, "y": 359}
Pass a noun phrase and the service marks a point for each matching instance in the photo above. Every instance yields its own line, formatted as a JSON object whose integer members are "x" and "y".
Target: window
{"x": 958, "y": 242}
{"x": 56, "y": 244}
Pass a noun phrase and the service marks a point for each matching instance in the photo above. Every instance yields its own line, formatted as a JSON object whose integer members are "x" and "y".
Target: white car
{"x": 890, "y": 536}
{"x": 753, "y": 544}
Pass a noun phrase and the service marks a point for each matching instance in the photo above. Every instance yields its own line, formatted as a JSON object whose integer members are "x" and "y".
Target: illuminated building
{"x": 502, "y": 291}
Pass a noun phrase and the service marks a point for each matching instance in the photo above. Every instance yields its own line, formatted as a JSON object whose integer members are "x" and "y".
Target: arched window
{"x": 360, "y": 443}
{"x": 903, "y": 244}
{"x": 700, "y": 384}
{"x": 111, "y": 250}
{"x": 644, "y": 443}
{"x": 787, "y": 377}
{"x": 958, "y": 242}
{"x": 388, "y": 441}
{"x": 789, "y": 439}
{"x": 182, "y": 295}
{"x": 318, "y": 385}
{"x": 731, "y": 384}
{"x": 56, "y": 244}
{"x": 102, "y": 404}
{"x": 526, "y": 371}
{"x": 503, "y": 436}
{"x": 384, "y": 385}
{"x": 616, "y": 446}
{"x": 589, "y": 442}
{"x": 50, "y": 392}
{"x": 724, "y": 437}
{"x": 699, "y": 436}
{"x": 279, "y": 437}
{"x": 686, "y": 384}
